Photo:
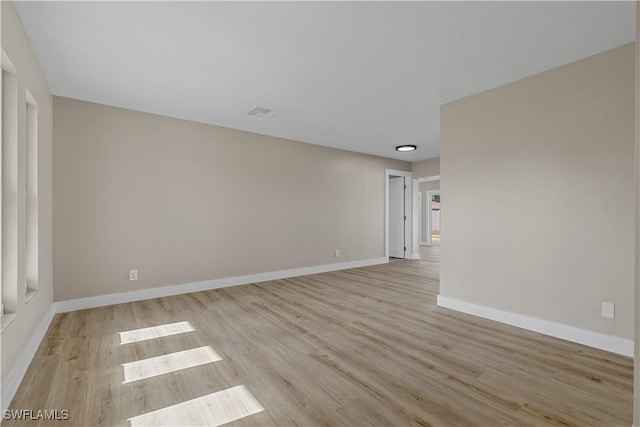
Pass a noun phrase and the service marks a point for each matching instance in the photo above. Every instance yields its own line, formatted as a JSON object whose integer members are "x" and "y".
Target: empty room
{"x": 360, "y": 213}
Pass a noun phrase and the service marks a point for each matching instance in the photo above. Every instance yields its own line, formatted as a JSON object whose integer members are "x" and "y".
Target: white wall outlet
{"x": 133, "y": 274}
{"x": 337, "y": 253}
{"x": 608, "y": 310}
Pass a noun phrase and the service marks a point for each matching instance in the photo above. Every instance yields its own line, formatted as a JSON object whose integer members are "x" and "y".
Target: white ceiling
{"x": 362, "y": 76}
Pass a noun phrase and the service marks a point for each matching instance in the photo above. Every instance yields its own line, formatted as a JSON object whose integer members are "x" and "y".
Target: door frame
{"x": 408, "y": 208}
{"x": 430, "y": 195}
{"x": 419, "y": 210}
{"x": 429, "y": 178}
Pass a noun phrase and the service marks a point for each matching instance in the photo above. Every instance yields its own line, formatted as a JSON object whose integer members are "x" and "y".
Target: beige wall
{"x": 425, "y": 168}
{"x": 530, "y": 172}
{"x": 29, "y": 315}
{"x": 183, "y": 202}
{"x": 636, "y": 407}
{"x": 429, "y": 186}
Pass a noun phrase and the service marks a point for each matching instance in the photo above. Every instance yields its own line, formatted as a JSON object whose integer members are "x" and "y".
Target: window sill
{"x": 7, "y": 319}
{"x": 29, "y": 295}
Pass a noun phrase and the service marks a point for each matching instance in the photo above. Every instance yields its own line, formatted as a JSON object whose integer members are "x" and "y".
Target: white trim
{"x": 29, "y": 99}
{"x": 12, "y": 382}
{"x": 429, "y": 178}
{"x": 408, "y": 222}
{"x": 6, "y": 63}
{"x": 419, "y": 217}
{"x": 165, "y": 291}
{"x": 415, "y": 256}
{"x": 408, "y": 202}
{"x": 610, "y": 343}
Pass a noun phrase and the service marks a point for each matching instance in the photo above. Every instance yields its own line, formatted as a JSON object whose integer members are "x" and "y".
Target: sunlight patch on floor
{"x": 144, "y": 334}
{"x": 211, "y": 410}
{"x": 154, "y": 366}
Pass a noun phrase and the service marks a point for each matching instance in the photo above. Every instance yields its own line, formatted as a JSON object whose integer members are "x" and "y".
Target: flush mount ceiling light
{"x": 405, "y": 148}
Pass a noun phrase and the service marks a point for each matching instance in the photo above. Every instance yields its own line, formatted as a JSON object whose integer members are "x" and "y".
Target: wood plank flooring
{"x": 358, "y": 347}
{"x": 430, "y": 254}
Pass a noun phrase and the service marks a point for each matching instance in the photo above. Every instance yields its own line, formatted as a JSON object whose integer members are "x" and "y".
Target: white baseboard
{"x": 570, "y": 333}
{"x": 165, "y": 291}
{"x": 414, "y": 256}
{"x": 12, "y": 382}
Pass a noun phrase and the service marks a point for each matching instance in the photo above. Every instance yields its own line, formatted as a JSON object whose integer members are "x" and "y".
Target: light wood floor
{"x": 359, "y": 347}
{"x": 429, "y": 253}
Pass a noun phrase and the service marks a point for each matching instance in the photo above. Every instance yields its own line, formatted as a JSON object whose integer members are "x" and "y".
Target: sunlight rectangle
{"x": 160, "y": 365}
{"x": 152, "y": 332}
{"x": 213, "y": 409}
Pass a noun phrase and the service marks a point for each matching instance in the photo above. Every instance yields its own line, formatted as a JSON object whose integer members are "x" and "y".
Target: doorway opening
{"x": 429, "y": 217}
{"x": 428, "y": 212}
{"x": 398, "y": 215}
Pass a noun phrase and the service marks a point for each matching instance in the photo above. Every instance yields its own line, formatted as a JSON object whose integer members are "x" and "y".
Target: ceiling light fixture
{"x": 405, "y": 148}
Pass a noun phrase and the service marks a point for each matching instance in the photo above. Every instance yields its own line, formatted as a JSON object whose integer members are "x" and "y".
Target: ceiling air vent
{"x": 258, "y": 111}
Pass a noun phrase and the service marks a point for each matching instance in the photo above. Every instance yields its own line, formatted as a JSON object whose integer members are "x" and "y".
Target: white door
{"x": 396, "y": 217}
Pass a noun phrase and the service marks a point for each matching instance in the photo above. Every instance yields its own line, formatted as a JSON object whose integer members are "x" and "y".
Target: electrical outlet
{"x": 337, "y": 253}
{"x": 608, "y": 310}
{"x": 133, "y": 274}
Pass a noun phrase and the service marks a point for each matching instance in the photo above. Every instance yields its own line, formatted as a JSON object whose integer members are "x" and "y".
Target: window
{"x": 9, "y": 185}
{"x": 31, "y": 208}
